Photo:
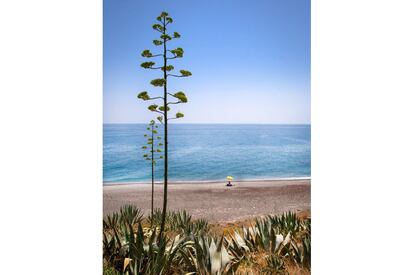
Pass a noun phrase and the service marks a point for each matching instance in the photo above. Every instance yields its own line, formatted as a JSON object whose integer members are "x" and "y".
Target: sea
{"x": 209, "y": 152}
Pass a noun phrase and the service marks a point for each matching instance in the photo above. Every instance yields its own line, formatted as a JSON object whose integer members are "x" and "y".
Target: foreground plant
{"x": 207, "y": 255}
{"x": 180, "y": 222}
{"x": 132, "y": 249}
{"x": 179, "y": 97}
{"x": 266, "y": 247}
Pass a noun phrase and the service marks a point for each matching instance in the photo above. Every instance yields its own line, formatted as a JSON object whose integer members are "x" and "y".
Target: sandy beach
{"x": 214, "y": 201}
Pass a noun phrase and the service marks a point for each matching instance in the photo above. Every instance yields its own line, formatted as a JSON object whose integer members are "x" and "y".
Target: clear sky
{"x": 250, "y": 59}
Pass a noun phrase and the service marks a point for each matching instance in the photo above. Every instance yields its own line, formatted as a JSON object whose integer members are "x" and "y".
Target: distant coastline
{"x": 209, "y": 123}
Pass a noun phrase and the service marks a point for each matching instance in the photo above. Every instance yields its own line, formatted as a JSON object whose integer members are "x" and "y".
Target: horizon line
{"x": 241, "y": 123}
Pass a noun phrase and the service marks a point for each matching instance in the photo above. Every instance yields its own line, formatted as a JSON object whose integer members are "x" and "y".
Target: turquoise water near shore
{"x": 204, "y": 152}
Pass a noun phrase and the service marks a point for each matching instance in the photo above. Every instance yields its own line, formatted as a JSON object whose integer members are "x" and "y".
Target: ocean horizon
{"x": 209, "y": 152}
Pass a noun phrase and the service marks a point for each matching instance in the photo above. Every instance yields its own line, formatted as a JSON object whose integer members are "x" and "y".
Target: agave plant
{"x": 130, "y": 215}
{"x": 200, "y": 227}
{"x": 180, "y": 222}
{"x": 207, "y": 256}
{"x": 259, "y": 237}
{"x": 275, "y": 265}
{"x": 300, "y": 252}
{"x": 287, "y": 222}
{"x": 155, "y": 220}
{"x": 149, "y": 257}
{"x": 132, "y": 249}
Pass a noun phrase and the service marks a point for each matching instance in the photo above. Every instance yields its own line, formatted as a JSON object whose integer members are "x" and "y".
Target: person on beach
{"x": 229, "y": 179}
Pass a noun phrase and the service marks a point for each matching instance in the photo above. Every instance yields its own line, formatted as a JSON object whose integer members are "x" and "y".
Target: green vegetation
{"x": 152, "y": 140}
{"x": 179, "y": 97}
{"x": 270, "y": 245}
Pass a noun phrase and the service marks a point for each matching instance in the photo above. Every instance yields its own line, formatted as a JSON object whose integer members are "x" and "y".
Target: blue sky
{"x": 250, "y": 59}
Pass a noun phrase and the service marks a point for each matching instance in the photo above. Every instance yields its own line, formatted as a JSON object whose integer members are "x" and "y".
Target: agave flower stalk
{"x": 152, "y": 138}
{"x": 167, "y": 55}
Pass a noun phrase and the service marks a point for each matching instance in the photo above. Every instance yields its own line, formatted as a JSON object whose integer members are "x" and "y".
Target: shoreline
{"x": 118, "y": 183}
{"x": 214, "y": 201}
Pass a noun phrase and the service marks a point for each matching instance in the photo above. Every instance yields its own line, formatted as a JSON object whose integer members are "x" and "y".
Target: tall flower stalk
{"x": 166, "y": 56}
{"x": 150, "y": 152}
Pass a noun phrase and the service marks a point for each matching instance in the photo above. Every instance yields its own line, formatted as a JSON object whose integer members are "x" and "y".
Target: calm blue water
{"x": 210, "y": 152}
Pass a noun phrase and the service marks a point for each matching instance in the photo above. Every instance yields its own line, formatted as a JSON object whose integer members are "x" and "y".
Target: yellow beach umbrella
{"x": 229, "y": 178}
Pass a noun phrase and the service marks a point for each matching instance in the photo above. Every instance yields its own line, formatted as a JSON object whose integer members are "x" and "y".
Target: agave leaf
{"x": 225, "y": 257}
{"x": 286, "y": 240}
{"x": 278, "y": 242}
{"x": 126, "y": 263}
{"x": 241, "y": 242}
{"x": 215, "y": 257}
